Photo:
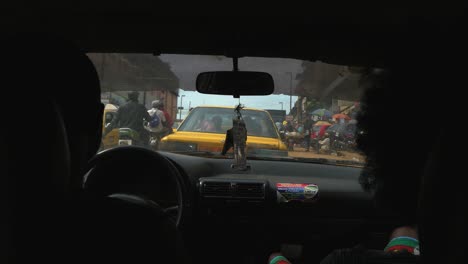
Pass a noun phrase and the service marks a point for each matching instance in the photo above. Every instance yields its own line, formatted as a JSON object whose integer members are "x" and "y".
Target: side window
{"x": 109, "y": 117}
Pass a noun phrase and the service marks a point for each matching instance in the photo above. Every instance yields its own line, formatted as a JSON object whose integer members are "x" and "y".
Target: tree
{"x": 314, "y": 104}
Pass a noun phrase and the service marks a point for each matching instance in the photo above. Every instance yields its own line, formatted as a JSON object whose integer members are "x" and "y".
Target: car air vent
{"x": 250, "y": 190}
{"x": 232, "y": 189}
{"x": 216, "y": 189}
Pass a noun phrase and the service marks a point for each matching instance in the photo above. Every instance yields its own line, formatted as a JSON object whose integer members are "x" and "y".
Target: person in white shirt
{"x": 157, "y": 130}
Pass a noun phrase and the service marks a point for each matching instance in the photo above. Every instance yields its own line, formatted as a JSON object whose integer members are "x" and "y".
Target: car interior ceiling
{"x": 134, "y": 219}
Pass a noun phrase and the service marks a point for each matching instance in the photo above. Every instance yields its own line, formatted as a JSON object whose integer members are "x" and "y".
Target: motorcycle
{"x": 155, "y": 138}
{"x": 342, "y": 141}
{"x": 129, "y": 137}
{"x": 318, "y": 134}
{"x": 293, "y": 138}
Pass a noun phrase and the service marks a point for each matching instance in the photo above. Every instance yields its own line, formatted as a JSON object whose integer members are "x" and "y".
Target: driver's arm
{"x": 113, "y": 124}
{"x": 146, "y": 115}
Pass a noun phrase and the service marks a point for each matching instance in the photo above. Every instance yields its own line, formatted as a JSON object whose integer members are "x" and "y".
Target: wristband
{"x": 279, "y": 260}
{"x": 403, "y": 243}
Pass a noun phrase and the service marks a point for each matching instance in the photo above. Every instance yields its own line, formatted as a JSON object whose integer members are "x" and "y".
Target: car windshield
{"x": 218, "y": 120}
{"x": 309, "y": 98}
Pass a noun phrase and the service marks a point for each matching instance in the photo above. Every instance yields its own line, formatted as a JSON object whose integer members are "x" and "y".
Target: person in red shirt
{"x": 319, "y": 134}
{"x": 169, "y": 121}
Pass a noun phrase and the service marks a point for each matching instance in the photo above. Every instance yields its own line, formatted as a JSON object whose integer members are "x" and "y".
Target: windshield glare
{"x": 311, "y": 115}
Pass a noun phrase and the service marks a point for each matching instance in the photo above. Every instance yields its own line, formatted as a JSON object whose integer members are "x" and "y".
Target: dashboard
{"x": 257, "y": 211}
{"x": 214, "y": 185}
{"x": 268, "y": 206}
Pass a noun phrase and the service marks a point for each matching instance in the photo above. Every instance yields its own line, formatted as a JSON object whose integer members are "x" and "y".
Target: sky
{"x": 193, "y": 99}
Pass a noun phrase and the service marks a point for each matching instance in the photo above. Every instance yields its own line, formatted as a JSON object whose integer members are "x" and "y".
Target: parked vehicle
{"x": 342, "y": 136}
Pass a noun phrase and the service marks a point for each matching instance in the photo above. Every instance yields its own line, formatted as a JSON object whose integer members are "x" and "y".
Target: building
{"x": 147, "y": 74}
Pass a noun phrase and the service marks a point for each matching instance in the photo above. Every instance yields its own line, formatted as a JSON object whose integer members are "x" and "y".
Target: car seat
{"x": 38, "y": 185}
{"x": 443, "y": 205}
{"x": 45, "y": 223}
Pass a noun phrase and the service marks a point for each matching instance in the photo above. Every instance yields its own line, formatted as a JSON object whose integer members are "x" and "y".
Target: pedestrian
{"x": 289, "y": 127}
{"x": 308, "y": 124}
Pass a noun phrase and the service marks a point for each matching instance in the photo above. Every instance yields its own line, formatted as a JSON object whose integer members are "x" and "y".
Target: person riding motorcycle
{"x": 169, "y": 122}
{"x": 167, "y": 125}
{"x": 157, "y": 131}
{"x": 319, "y": 137}
{"x": 290, "y": 130}
{"x": 132, "y": 115}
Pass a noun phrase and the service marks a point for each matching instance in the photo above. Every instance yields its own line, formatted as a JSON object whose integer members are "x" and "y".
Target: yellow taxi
{"x": 204, "y": 129}
{"x": 112, "y": 138}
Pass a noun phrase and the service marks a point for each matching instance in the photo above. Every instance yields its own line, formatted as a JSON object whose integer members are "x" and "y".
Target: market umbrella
{"x": 322, "y": 123}
{"x": 323, "y": 113}
{"x": 341, "y": 116}
{"x": 110, "y": 107}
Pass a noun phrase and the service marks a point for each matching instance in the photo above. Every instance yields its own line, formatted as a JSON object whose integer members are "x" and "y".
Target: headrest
{"x": 44, "y": 67}
{"x": 38, "y": 153}
{"x": 68, "y": 74}
{"x": 38, "y": 178}
{"x": 59, "y": 69}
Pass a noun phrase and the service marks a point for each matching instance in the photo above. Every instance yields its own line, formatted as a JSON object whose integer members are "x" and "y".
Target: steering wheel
{"x": 134, "y": 174}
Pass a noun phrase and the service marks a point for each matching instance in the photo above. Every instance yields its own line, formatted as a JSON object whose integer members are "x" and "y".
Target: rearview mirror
{"x": 235, "y": 83}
